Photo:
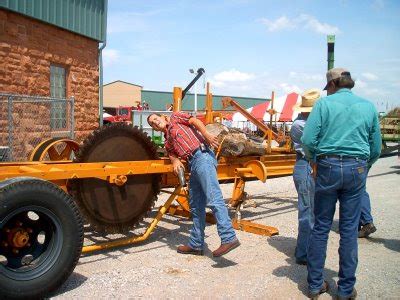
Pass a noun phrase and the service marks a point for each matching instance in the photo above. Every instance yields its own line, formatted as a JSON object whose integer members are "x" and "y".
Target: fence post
{"x": 10, "y": 128}
{"x": 72, "y": 118}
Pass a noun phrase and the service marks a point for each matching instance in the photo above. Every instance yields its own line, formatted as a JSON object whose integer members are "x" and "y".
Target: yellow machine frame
{"x": 237, "y": 169}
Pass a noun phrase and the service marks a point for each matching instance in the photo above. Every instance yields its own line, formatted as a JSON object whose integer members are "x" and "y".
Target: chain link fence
{"x": 26, "y": 121}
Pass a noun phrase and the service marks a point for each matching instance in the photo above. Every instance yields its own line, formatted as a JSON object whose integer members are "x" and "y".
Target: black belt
{"x": 202, "y": 148}
{"x": 340, "y": 157}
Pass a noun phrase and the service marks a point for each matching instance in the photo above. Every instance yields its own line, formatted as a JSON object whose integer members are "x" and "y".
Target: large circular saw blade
{"x": 108, "y": 207}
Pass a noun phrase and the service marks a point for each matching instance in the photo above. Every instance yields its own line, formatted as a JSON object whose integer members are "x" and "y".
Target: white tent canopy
{"x": 283, "y": 105}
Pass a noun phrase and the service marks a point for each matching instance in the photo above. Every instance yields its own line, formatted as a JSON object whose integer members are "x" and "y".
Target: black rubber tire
{"x": 60, "y": 253}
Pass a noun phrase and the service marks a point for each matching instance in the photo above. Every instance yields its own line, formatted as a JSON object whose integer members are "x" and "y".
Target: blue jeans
{"x": 305, "y": 186}
{"x": 366, "y": 216}
{"x": 204, "y": 190}
{"x": 342, "y": 179}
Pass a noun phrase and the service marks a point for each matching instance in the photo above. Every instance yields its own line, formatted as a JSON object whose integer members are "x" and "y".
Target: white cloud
{"x": 279, "y": 24}
{"x": 360, "y": 84}
{"x": 232, "y": 79}
{"x": 289, "y": 88}
{"x": 110, "y": 56}
{"x": 261, "y": 85}
{"x": 314, "y": 77}
{"x": 369, "y": 76}
{"x": 302, "y": 21}
{"x": 215, "y": 83}
{"x": 233, "y": 75}
{"x": 312, "y": 23}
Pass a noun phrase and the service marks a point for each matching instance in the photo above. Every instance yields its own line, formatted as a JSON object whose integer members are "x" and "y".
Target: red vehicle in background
{"x": 122, "y": 113}
{"x": 118, "y": 114}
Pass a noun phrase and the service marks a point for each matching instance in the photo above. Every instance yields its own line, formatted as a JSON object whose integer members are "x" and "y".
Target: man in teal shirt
{"x": 342, "y": 136}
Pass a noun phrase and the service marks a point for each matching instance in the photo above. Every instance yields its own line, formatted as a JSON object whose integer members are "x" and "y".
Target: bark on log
{"x": 235, "y": 142}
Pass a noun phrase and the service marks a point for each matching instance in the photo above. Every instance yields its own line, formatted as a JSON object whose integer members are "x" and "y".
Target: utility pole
{"x": 331, "y": 51}
{"x": 199, "y": 72}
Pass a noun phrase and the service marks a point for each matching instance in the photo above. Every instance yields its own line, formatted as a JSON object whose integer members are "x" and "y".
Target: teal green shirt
{"x": 343, "y": 124}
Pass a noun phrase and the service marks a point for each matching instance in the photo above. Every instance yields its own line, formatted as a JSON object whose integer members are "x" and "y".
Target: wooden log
{"x": 235, "y": 142}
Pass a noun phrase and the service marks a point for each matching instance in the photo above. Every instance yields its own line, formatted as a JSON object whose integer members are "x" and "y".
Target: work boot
{"x": 301, "y": 261}
{"x": 366, "y": 230}
{"x": 225, "y": 248}
{"x": 184, "y": 249}
{"x": 352, "y": 296}
{"x": 324, "y": 289}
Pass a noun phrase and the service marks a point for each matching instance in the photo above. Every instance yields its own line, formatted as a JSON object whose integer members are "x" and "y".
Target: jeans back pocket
{"x": 324, "y": 172}
{"x": 359, "y": 176}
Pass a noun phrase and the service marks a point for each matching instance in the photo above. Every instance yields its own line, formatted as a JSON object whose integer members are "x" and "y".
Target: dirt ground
{"x": 261, "y": 268}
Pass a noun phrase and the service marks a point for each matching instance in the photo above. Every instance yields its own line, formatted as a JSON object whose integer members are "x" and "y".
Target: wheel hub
{"x": 19, "y": 238}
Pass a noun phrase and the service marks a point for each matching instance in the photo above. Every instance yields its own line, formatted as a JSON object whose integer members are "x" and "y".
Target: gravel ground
{"x": 262, "y": 267}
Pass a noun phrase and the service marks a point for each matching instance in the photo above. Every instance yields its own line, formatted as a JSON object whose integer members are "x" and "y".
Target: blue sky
{"x": 250, "y": 48}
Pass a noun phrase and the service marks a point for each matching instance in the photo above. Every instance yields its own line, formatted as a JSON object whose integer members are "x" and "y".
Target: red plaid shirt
{"x": 182, "y": 138}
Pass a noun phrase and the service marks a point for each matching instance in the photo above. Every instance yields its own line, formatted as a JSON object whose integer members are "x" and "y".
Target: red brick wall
{"x": 28, "y": 47}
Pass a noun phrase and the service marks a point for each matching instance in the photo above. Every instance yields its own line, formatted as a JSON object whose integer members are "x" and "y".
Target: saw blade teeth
{"x": 108, "y": 208}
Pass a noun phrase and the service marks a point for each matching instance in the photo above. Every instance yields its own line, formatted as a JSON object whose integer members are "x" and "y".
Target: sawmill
{"x": 111, "y": 181}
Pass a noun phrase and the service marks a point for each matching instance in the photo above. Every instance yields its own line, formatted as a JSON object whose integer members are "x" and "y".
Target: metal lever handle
{"x": 181, "y": 177}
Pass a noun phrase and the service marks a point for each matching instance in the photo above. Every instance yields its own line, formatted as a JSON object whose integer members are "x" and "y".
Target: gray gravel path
{"x": 261, "y": 267}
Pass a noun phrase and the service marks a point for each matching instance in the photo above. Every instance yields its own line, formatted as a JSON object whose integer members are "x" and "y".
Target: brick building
{"x": 51, "y": 49}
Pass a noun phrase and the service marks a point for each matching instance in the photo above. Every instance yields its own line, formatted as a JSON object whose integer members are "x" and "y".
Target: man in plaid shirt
{"x": 186, "y": 138}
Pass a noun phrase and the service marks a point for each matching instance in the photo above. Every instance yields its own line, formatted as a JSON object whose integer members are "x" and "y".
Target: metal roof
{"x": 124, "y": 82}
{"x": 160, "y": 100}
{"x": 85, "y": 17}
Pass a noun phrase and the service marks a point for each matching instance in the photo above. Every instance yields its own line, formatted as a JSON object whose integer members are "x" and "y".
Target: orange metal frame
{"x": 237, "y": 169}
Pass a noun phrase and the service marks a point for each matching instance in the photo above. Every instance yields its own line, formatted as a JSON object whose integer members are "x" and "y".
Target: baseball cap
{"x": 335, "y": 73}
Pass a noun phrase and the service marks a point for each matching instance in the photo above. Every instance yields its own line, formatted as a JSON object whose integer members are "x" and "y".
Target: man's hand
{"x": 314, "y": 169}
{"x": 177, "y": 164}
{"x": 212, "y": 140}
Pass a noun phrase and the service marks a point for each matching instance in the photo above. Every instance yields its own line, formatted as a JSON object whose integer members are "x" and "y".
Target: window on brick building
{"x": 58, "y": 90}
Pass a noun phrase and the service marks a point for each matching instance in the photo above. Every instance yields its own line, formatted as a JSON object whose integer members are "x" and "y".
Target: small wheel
{"x": 41, "y": 237}
{"x": 55, "y": 149}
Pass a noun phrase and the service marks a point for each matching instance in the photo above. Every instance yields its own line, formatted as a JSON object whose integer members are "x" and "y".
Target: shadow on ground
{"x": 169, "y": 237}
{"x": 297, "y": 273}
{"x": 179, "y": 235}
{"x": 391, "y": 244}
{"x": 222, "y": 262}
{"x": 74, "y": 281}
{"x": 269, "y": 206}
{"x": 386, "y": 173}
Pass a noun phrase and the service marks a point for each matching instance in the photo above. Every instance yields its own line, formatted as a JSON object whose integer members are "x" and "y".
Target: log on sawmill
{"x": 234, "y": 142}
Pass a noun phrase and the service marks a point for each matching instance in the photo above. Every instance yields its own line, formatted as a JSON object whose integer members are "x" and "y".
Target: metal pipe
{"x": 10, "y": 128}
{"x": 200, "y": 72}
{"x": 177, "y": 106}
{"x": 228, "y": 101}
{"x": 270, "y": 122}
{"x": 72, "y": 119}
{"x": 101, "y": 66}
{"x": 209, "y": 106}
{"x": 331, "y": 51}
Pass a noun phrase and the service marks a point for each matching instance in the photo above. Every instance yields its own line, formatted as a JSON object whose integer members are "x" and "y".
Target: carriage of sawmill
{"x": 111, "y": 183}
